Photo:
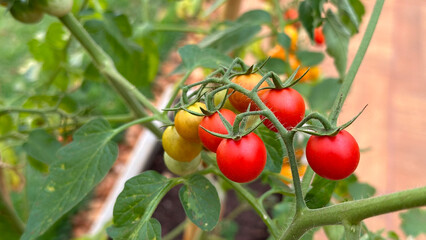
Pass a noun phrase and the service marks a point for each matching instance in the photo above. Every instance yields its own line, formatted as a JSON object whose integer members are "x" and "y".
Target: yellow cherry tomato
{"x": 187, "y": 124}
{"x": 293, "y": 34}
{"x": 278, "y": 52}
{"x": 178, "y": 147}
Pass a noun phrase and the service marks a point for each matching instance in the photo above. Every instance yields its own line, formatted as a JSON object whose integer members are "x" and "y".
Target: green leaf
{"x": 6, "y": 124}
{"x": 284, "y": 211}
{"x": 413, "y": 221}
{"x": 284, "y": 40}
{"x": 228, "y": 229}
{"x": 276, "y": 65}
{"x": 320, "y": 193}
{"x": 308, "y": 58}
{"x": 306, "y": 16}
{"x": 135, "y": 205}
{"x": 323, "y": 95}
{"x": 147, "y": 230}
{"x": 238, "y": 33}
{"x": 359, "y": 10}
{"x": 194, "y": 56}
{"x": 8, "y": 230}
{"x": 275, "y": 148}
{"x": 136, "y": 61}
{"x": 334, "y": 232}
{"x": 200, "y": 201}
{"x": 79, "y": 167}
{"x": 42, "y": 146}
{"x": 337, "y": 40}
{"x": 361, "y": 190}
{"x": 346, "y": 8}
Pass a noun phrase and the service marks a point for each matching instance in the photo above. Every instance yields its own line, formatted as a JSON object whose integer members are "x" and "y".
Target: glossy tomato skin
{"x": 288, "y": 106}
{"x": 248, "y": 81}
{"x": 242, "y": 160}
{"x": 26, "y": 12}
{"x": 214, "y": 123}
{"x": 333, "y": 157}
{"x": 319, "y": 36}
{"x": 187, "y": 124}
{"x": 57, "y": 8}
{"x": 179, "y": 148}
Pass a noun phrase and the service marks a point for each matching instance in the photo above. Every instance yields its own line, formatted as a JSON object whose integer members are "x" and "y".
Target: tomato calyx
{"x": 238, "y": 129}
{"x": 328, "y": 129}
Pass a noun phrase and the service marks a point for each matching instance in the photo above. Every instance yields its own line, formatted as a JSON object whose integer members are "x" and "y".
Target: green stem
{"x": 177, "y": 230}
{"x": 350, "y": 76}
{"x": 254, "y": 203}
{"x": 300, "y": 201}
{"x": 177, "y": 88}
{"x": 178, "y": 28}
{"x": 106, "y": 67}
{"x": 137, "y": 121}
{"x": 355, "y": 211}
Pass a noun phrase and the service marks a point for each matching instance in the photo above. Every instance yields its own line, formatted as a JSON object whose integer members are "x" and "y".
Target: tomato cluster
{"x": 242, "y": 157}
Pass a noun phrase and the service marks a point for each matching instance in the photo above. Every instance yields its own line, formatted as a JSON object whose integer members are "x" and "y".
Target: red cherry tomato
{"x": 287, "y": 104}
{"x": 214, "y": 123}
{"x": 291, "y": 14}
{"x": 319, "y": 36}
{"x": 333, "y": 157}
{"x": 242, "y": 160}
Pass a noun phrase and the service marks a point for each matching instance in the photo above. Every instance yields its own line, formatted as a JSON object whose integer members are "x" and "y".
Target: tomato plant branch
{"x": 350, "y": 76}
{"x": 255, "y": 204}
{"x": 354, "y": 211}
{"x": 106, "y": 67}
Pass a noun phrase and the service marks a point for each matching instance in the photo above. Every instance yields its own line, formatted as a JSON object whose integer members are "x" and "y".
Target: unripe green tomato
{"x": 26, "y": 11}
{"x": 182, "y": 168}
{"x": 57, "y": 8}
{"x": 218, "y": 98}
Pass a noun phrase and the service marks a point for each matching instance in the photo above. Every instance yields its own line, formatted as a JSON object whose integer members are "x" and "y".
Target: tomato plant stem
{"x": 256, "y": 205}
{"x": 300, "y": 202}
{"x": 354, "y": 211}
{"x": 350, "y": 76}
{"x": 106, "y": 67}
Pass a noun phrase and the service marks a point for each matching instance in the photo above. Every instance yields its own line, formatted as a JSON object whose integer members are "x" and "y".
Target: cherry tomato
{"x": 242, "y": 160}
{"x": 293, "y": 34}
{"x": 26, "y": 11}
{"x": 319, "y": 36}
{"x": 311, "y": 76}
{"x": 333, "y": 157}
{"x": 186, "y": 124}
{"x": 291, "y": 14}
{"x": 286, "y": 171}
{"x": 214, "y": 123}
{"x": 249, "y": 81}
{"x": 278, "y": 52}
{"x": 57, "y": 8}
{"x": 182, "y": 168}
{"x": 177, "y": 147}
{"x": 287, "y": 104}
